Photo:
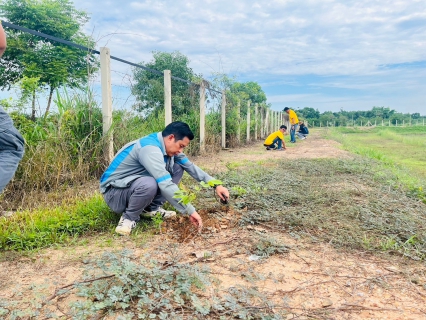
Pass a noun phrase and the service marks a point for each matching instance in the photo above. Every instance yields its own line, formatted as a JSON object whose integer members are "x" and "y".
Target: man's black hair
{"x": 286, "y": 108}
{"x": 179, "y": 129}
{"x": 283, "y": 126}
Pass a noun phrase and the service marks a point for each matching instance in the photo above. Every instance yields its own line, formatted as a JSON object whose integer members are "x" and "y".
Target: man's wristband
{"x": 215, "y": 186}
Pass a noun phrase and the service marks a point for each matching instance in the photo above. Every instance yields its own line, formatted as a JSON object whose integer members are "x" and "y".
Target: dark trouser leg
{"x": 293, "y": 132}
{"x": 279, "y": 142}
{"x": 159, "y": 199}
{"x": 132, "y": 200}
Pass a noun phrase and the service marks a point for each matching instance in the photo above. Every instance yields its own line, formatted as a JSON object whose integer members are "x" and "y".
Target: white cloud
{"x": 258, "y": 40}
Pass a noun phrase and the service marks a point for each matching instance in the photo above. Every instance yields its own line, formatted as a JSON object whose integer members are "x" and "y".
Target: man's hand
{"x": 196, "y": 220}
{"x": 223, "y": 193}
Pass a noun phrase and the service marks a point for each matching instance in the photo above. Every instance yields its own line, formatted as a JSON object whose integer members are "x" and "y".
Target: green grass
{"x": 74, "y": 223}
{"x": 402, "y": 149}
{"x": 350, "y": 203}
{"x": 28, "y": 230}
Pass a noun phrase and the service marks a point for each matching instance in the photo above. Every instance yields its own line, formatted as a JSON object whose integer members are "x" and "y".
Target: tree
{"x": 52, "y": 63}
{"x": 149, "y": 86}
{"x": 239, "y": 93}
{"x": 251, "y": 90}
{"x": 327, "y": 117}
{"x": 308, "y": 113}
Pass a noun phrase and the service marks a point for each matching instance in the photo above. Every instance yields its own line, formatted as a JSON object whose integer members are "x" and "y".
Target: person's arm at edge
{"x": 3, "y": 43}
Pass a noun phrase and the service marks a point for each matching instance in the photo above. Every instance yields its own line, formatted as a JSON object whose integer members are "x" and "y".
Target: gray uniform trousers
{"x": 142, "y": 194}
{"x": 11, "y": 149}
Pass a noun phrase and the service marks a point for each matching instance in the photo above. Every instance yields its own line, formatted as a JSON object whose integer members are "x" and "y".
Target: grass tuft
{"x": 353, "y": 204}
{"x": 28, "y": 230}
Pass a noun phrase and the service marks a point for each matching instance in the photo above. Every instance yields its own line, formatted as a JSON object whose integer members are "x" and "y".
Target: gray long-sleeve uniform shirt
{"x": 147, "y": 157}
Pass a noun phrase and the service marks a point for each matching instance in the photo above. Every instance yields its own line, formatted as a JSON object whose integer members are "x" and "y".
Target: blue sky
{"x": 325, "y": 54}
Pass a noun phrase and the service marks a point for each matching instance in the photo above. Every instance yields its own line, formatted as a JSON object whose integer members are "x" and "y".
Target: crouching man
{"x": 303, "y": 131}
{"x": 275, "y": 141}
{"x": 145, "y": 173}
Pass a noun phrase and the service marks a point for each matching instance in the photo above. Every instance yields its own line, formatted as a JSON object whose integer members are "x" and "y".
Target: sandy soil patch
{"x": 309, "y": 280}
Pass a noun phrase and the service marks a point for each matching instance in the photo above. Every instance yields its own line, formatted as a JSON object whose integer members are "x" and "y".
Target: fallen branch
{"x": 224, "y": 242}
{"x": 55, "y": 294}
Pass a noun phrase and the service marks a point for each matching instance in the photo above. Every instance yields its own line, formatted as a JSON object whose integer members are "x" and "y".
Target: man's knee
{"x": 146, "y": 187}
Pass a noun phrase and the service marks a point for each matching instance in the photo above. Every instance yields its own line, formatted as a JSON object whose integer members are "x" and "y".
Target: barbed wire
{"x": 93, "y": 51}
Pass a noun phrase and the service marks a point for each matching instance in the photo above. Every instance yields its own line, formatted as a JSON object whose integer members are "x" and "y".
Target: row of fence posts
{"x": 269, "y": 120}
{"x": 369, "y": 124}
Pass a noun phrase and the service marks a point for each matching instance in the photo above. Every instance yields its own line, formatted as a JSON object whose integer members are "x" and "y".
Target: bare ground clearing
{"x": 311, "y": 280}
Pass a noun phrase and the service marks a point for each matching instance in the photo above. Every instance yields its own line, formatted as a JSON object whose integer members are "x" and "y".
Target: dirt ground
{"x": 315, "y": 280}
{"x": 310, "y": 148}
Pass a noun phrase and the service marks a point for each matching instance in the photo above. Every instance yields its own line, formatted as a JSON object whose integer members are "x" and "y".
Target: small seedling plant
{"x": 187, "y": 196}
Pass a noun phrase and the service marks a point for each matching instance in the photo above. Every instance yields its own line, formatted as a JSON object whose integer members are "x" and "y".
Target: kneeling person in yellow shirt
{"x": 275, "y": 141}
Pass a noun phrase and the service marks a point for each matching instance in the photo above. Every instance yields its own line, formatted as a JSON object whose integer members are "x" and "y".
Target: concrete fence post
{"x": 266, "y": 128}
{"x": 239, "y": 122}
{"x": 274, "y": 120}
{"x": 107, "y": 104}
{"x": 248, "y": 120}
{"x": 202, "y": 117}
{"x": 167, "y": 96}
{"x": 255, "y": 121}
{"x": 223, "y": 119}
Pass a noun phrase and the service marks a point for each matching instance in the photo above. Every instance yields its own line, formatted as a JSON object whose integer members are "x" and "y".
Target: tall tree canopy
{"x": 51, "y": 64}
{"x": 149, "y": 86}
{"x": 249, "y": 91}
{"x": 239, "y": 92}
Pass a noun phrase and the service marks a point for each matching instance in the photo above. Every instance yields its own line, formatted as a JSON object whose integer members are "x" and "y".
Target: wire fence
{"x": 112, "y": 90}
{"x": 367, "y": 123}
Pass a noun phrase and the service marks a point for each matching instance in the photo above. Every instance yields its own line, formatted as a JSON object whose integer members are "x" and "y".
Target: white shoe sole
{"x": 123, "y": 232}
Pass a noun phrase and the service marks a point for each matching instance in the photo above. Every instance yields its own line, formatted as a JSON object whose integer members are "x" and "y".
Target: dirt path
{"x": 313, "y": 147}
{"x": 308, "y": 280}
